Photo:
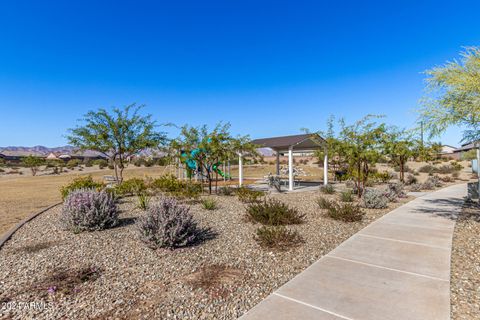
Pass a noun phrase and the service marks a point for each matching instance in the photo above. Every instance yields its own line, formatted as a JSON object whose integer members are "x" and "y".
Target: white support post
{"x": 240, "y": 169}
{"x": 278, "y": 163}
{"x": 478, "y": 170}
{"x": 290, "y": 169}
{"x": 325, "y": 168}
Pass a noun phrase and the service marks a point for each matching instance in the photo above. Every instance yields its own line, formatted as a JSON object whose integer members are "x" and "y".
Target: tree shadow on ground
{"x": 442, "y": 207}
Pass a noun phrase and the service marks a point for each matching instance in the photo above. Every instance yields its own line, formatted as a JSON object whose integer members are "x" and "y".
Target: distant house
{"x": 52, "y": 156}
{"x": 446, "y": 149}
{"x": 466, "y": 147}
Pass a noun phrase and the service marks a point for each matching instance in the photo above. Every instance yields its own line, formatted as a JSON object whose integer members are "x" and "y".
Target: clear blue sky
{"x": 268, "y": 68}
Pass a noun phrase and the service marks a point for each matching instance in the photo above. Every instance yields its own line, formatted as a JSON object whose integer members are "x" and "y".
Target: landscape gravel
{"x": 465, "y": 274}
{"x": 136, "y": 282}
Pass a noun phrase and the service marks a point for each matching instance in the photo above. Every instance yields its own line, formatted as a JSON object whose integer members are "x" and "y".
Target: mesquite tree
{"x": 399, "y": 146}
{"x": 454, "y": 96}
{"x": 118, "y": 135}
{"x": 360, "y": 145}
{"x": 33, "y": 163}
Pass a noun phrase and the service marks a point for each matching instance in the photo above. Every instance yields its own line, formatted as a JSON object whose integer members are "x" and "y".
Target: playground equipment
{"x": 189, "y": 159}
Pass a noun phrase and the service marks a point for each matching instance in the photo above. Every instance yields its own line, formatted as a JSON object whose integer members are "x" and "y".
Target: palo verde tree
{"x": 118, "y": 134}
{"x": 33, "y": 163}
{"x": 453, "y": 96}
{"x": 360, "y": 144}
{"x": 399, "y": 145}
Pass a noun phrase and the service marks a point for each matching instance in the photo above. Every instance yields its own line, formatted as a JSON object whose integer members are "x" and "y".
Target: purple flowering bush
{"x": 374, "y": 199}
{"x": 89, "y": 210}
{"x": 168, "y": 224}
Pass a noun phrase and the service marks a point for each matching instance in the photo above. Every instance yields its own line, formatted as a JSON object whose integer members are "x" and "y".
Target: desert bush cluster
{"x": 247, "y": 195}
{"x": 168, "y": 224}
{"x": 343, "y": 211}
{"x": 277, "y": 238}
{"x": 274, "y": 213}
{"x": 89, "y": 210}
{"x": 81, "y": 183}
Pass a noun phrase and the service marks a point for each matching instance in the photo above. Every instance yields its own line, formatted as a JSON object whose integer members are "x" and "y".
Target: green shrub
{"x": 101, "y": 163}
{"x": 226, "y": 191}
{"x": 143, "y": 200}
{"x": 88, "y": 163}
{"x": 273, "y": 212}
{"x": 426, "y": 169}
{"x": 247, "y": 195}
{"x": 347, "y": 212}
{"x": 323, "y": 203}
{"x": 277, "y": 238}
{"x": 133, "y": 186}
{"x": 81, "y": 183}
{"x": 346, "y": 196}
{"x": 209, "y": 204}
{"x": 73, "y": 163}
{"x": 168, "y": 183}
{"x": 374, "y": 199}
{"x": 383, "y": 176}
{"x": 327, "y": 189}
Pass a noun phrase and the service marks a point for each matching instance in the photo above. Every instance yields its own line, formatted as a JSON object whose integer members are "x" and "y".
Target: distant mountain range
{"x": 45, "y": 151}
{"x": 36, "y": 150}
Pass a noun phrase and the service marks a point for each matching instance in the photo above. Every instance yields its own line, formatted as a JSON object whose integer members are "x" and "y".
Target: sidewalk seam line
{"x": 311, "y": 306}
{"x": 413, "y": 225}
{"x": 403, "y": 241}
{"x": 387, "y": 268}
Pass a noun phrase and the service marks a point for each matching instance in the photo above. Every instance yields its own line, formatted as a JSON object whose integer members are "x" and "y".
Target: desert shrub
{"x": 416, "y": 187}
{"x": 432, "y": 183}
{"x": 73, "y": 163}
{"x": 209, "y": 204}
{"x": 374, "y": 199}
{"x": 426, "y": 168}
{"x": 110, "y": 166}
{"x": 456, "y": 165}
{"x": 2, "y": 170}
{"x": 277, "y": 238}
{"x": 89, "y": 210}
{"x": 455, "y": 175}
{"x": 88, "y": 163}
{"x": 323, "y": 203}
{"x": 406, "y": 168}
{"x": 383, "y": 176}
{"x": 346, "y": 196}
{"x": 81, "y": 183}
{"x": 327, "y": 189}
{"x": 168, "y": 183}
{"x": 415, "y": 173}
{"x": 101, "y": 163}
{"x": 395, "y": 190}
{"x": 226, "y": 191}
{"x": 347, "y": 212}
{"x": 447, "y": 179}
{"x": 247, "y": 195}
{"x": 143, "y": 200}
{"x": 168, "y": 224}
{"x": 410, "y": 179}
{"x": 273, "y": 212}
{"x": 133, "y": 186}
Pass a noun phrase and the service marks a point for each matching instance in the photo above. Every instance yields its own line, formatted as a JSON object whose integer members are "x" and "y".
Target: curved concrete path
{"x": 398, "y": 267}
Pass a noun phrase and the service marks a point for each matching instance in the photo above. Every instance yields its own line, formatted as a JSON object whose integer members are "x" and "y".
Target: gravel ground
{"x": 221, "y": 278}
{"x": 465, "y": 275}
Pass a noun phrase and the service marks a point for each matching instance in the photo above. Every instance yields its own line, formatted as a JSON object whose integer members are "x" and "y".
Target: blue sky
{"x": 268, "y": 68}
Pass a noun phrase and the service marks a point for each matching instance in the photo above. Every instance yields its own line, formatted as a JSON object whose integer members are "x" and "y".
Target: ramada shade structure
{"x": 287, "y": 144}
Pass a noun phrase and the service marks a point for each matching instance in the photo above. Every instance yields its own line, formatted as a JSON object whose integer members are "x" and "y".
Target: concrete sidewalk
{"x": 398, "y": 268}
